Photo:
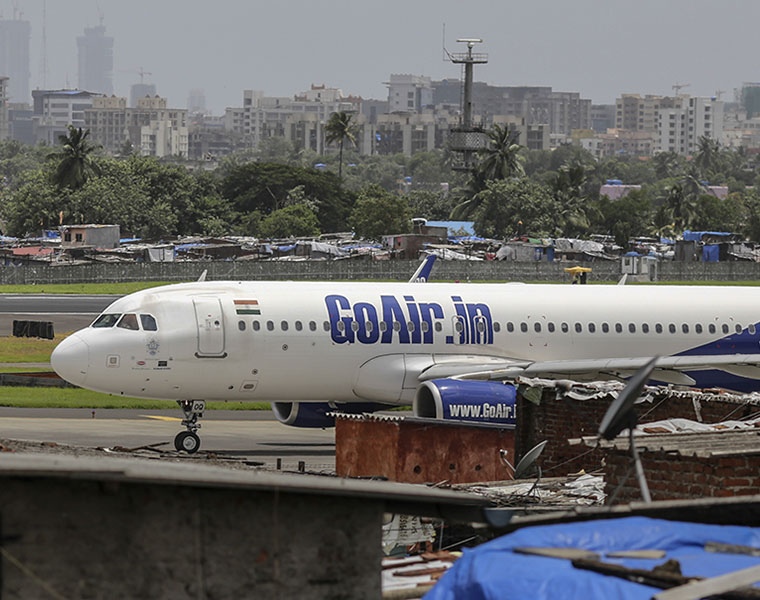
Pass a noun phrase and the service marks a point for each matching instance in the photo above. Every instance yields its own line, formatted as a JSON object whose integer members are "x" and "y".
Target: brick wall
{"x": 558, "y": 420}
{"x": 671, "y": 477}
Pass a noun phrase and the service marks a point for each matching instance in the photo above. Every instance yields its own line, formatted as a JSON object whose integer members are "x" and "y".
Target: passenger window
{"x": 241, "y": 325}
{"x": 105, "y": 321}
{"x": 632, "y": 327}
{"x": 410, "y": 326}
{"x": 724, "y": 328}
{"x": 605, "y": 328}
{"x": 672, "y": 328}
{"x": 384, "y": 326}
{"x": 685, "y": 328}
{"x": 711, "y": 328}
{"x": 457, "y": 326}
{"x": 619, "y": 327}
{"x": 645, "y": 327}
{"x": 312, "y": 325}
{"x": 591, "y": 328}
{"x": 438, "y": 326}
{"x": 354, "y": 326}
{"x": 496, "y": 326}
{"x": 129, "y": 321}
{"x": 284, "y": 325}
{"x": 524, "y": 327}
{"x": 397, "y": 326}
{"x": 256, "y": 325}
{"x": 299, "y": 325}
{"x": 658, "y": 327}
{"x": 537, "y": 327}
{"x": 510, "y": 327}
{"x": 565, "y": 328}
{"x": 698, "y": 328}
{"x": 270, "y": 325}
{"x": 326, "y": 325}
{"x": 148, "y": 323}
{"x": 738, "y": 328}
{"x": 578, "y": 327}
{"x": 550, "y": 327}
{"x": 751, "y": 329}
{"x": 341, "y": 326}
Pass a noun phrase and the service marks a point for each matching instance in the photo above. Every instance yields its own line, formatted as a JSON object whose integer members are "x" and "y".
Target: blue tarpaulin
{"x": 710, "y": 253}
{"x": 696, "y": 236}
{"x": 493, "y": 570}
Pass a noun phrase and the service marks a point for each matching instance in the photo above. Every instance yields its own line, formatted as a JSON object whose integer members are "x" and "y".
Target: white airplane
{"x": 449, "y": 350}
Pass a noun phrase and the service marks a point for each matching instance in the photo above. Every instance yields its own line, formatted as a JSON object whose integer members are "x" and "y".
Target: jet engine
{"x": 314, "y": 414}
{"x": 466, "y": 400}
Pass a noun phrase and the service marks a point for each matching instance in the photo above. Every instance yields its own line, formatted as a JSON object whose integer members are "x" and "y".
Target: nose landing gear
{"x": 188, "y": 441}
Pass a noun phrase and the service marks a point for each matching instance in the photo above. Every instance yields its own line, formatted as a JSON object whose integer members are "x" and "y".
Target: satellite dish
{"x": 620, "y": 414}
{"x": 527, "y": 461}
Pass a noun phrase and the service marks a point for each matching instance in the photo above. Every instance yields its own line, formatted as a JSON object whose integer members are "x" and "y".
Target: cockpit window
{"x": 128, "y": 321}
{"x": 106, "y": 320}
{"x": 148, "y": 323}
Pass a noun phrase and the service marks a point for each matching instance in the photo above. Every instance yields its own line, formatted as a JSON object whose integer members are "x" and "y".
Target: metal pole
{"x": 639, "y": 469}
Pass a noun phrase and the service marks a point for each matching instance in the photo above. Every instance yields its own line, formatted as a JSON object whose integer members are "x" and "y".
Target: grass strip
{"x": 21, "y": 350}
{"x": 43, "y": 397}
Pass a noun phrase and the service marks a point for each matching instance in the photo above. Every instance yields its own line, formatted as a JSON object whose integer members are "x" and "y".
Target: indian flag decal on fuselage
{"x": 247, "y": 307}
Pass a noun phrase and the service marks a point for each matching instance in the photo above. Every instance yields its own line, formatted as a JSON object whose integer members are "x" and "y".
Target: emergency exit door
{"x": 209, "y": 317}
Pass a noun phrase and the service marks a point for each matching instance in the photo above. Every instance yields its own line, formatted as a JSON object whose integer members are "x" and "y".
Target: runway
{"x": 68, "y": 312}
{"x": 253, "y": 435}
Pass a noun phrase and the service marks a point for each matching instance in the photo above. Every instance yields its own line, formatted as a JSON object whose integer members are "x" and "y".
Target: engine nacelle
{"x": 314, "y": 414}
{"x": 466, "y": 400}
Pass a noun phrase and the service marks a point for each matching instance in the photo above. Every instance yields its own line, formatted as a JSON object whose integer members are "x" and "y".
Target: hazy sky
{"x": 600, "y": 48}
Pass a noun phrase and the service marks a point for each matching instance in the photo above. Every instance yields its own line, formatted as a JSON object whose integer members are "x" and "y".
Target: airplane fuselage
{"x": 344, "y": 342}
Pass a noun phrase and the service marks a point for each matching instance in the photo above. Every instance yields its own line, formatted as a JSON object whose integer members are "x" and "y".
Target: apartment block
{"x": 153, "y": 128}
{"x": 679, "y": 129}
{"x": 55, "y": 110}
{"x": 561, "y": 111}
{"x": 409, "y": 93}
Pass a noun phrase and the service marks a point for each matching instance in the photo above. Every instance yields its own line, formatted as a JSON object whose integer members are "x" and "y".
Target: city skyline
{"x": 600, "y": 49}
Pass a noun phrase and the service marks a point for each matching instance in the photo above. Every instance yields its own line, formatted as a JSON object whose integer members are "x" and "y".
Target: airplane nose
{"x": 71, "y": 360}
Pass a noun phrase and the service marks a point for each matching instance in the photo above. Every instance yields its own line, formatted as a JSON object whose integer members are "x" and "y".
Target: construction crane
{"x": 678, "y": 86}
{"x": 139, "y": 71}
{"x": 100, "y": 12}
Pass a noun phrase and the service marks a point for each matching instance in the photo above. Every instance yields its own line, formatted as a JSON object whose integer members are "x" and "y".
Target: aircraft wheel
{"x": 187, "y": 441}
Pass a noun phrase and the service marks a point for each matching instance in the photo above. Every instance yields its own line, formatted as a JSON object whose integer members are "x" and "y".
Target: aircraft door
{"x": 209, "y": 317}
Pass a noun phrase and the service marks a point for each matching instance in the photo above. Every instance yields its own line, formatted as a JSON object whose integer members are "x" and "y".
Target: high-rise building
{"x": 55, "y": 110}
{"x": 196, "y": 101}
{"x": 14, "y": 57}
{"x": 409, "y": 93}
{"x": 141, "y": 90}
{"x": 95, "y": 60}
{"x": 3, "y": 108}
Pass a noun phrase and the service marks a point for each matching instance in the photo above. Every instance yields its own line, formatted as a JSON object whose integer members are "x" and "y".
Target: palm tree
{"x": 501, "y": 158}
{"x": 340, "y": 128}
{"x": 76, "y": 164}
{"x": 707, "y": 156}
{"x": 569, "y": 192}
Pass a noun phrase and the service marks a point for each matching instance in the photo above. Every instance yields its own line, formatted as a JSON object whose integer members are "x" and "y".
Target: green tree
{"x": 75, "y": 159}
{"x": 339, "y": 128}
{"x": 377, "y": 213}
{"x": 625, "y": 217}
{"x": 570, "y": 194}
{"x": 668, "y": 164}
{"x": 292, "y": 221}
{"x": 510, "y": 207}
{"x": 33, "y": 205}
{"x": 433, "y": 206}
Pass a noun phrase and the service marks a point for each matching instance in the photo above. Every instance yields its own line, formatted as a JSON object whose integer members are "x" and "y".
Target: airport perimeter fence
{"x": 356, "y": 270}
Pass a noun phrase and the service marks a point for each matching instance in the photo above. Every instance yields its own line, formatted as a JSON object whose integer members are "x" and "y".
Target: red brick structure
{"x": 686, "y": 465}
{"x": 557, "y": 417}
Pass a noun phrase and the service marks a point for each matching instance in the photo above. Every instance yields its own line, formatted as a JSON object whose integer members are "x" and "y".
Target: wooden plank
{"x": 566, "y": 553}
{"x": 712, "y": 586}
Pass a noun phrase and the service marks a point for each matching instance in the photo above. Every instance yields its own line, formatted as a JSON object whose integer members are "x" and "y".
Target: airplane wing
{"x": 669, "y": 369}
